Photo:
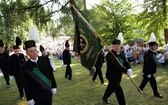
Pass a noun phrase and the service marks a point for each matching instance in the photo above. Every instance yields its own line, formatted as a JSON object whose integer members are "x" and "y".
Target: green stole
{"x": 154, "y": 57}
{"x": 120, "y": 60}
{"x": 42, "y": 77}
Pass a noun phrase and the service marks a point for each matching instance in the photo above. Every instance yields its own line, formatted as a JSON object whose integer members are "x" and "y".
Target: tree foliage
{"x": 108, "y": 18}
{"x": 111, "y": 18}
{"x": 17, "y": 15}
{"x": 154, "y": 18}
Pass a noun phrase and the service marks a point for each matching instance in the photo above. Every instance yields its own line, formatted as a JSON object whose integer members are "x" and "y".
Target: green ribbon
{"x": 154, "y": 57}
{"x": 42, "y": 77}
{"x": 120, "y": 60}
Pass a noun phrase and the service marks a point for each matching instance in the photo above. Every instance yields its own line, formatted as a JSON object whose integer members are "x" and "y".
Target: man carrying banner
{"x": 39, "y": 81}
{"x": 115, "y": 58}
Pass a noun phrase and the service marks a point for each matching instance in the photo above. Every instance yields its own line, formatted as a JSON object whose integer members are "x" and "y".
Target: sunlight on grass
{"x": 135, "y": 75}
{"x": 160, "y": 78}
{"x": 21, "y": 103}
{"x": 75, "y": 65}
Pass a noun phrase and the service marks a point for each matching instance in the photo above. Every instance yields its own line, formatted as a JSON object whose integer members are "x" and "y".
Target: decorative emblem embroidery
{"x": 83, "y": 44}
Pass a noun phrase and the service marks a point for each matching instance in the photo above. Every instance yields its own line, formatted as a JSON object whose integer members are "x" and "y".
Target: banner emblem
{"x": 83, "y": 44}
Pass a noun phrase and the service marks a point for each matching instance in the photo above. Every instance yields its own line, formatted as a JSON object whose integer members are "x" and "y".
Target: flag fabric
{"x": 86, "y": 42}
{"x": 76, "y": 45}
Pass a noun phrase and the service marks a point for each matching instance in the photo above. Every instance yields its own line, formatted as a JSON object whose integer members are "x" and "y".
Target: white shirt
{"x": 34, "y": 60}
{"x": 160, "y": 58}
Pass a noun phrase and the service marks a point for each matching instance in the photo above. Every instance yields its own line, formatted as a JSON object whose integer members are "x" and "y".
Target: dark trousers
{"x": 99, "y": 73}
{"x": 43, "y": 98}
{"x": 19, "y": 83}
{"x": 6, "y": 75}
{"x": 152, "y": 81}
{"x": 68, "y": 72}
{"x": 115, "y": 87}
{"x": 130, "y": 59}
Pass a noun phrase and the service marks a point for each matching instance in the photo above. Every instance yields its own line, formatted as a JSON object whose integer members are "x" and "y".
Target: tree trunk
{"x": 166, "y": 35}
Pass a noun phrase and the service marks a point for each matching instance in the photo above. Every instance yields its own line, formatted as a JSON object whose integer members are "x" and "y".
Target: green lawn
{"x": 83, "y": 91}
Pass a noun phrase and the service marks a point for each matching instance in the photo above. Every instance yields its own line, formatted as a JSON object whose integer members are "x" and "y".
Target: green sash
{"x": 42, "y": 77}
{"x": 154, "y": 57}
{"x": 120, "y": 60}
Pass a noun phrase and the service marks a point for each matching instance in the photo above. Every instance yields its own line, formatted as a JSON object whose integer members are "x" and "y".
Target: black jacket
{"x": 150, "y": 63}
{"x": 66, "y": 57}
{"x": 114, "y": 70}
{"x": 100, "y": 60}
{"x": 4, "y": 61}
{"x": 16, "y": 63}
{"x": 33, "y": 89}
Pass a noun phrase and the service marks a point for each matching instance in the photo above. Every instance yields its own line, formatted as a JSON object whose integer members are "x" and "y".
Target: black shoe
{"x": 158, "y": 96}
{"x": 94, "y": 80}
{"x": 102, "y": 82}
{"x": 8, "y": 86}
{"x": 105, "y": 84}
{"x": 106, "y": 101}
{"x": 21, "y": 97}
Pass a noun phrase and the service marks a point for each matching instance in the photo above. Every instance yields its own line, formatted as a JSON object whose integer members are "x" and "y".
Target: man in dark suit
{"x": 67, "y": 61}
{"x": 116, "y": 66}
{"x": 4, "y": 63}
{"x": 149, "y": 68}
{"x": 16, "y": 60}
{"x": 39, "y": 81}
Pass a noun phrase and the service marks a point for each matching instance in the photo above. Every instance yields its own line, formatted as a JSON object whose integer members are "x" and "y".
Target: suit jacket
{"x": 4, "y": 61}
{"x": 100, "y": 60}
{"x": 114, "y": 70}
{"x": 66, "y": 57}
{"x": 15, "y": 64}
{"x": 150, "y": 63}
{"x": 33, "y": 89}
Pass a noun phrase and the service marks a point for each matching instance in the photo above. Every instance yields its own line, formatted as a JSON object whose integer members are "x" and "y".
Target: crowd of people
{"x": 35, "y": 79}
{"x": 135, "y": 53}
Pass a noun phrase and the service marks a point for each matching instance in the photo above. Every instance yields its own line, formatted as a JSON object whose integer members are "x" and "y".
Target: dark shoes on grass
{"x": 106, "y": 101}
{"x": 158, "y": 96}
